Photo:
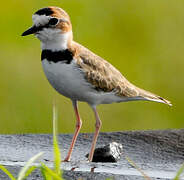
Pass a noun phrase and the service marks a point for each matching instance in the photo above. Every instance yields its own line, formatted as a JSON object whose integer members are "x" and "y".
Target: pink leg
{"x": 77, "y": 129}
{"x": 97, "y": 125}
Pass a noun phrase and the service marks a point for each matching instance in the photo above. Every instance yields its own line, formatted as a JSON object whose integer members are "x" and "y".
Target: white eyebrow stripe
{"x": 40, "y": 19}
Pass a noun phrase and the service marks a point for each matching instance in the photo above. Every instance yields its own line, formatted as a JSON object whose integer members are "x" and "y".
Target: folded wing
{"x": 105, "y": 77}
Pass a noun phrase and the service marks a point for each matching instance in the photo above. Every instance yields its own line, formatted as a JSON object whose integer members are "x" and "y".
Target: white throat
{"x": 59, "y": 42}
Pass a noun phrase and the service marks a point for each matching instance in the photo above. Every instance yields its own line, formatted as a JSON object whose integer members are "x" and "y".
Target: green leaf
{"x": 7, "y": 172}
{"x": 181, "y": 170}
{"x": 57, "y": 157}
{"x": 23, "y": 171}
{"x": 51, "y": 172}
{"x": 45, "y": 174}
{"x": 29, "y": 171}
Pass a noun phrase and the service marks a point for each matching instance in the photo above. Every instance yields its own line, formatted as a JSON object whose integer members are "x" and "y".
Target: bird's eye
{"x": 53, "y": 21}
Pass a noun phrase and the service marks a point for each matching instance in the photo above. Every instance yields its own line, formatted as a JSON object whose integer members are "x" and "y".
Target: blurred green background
{"x": 143, "y": 39}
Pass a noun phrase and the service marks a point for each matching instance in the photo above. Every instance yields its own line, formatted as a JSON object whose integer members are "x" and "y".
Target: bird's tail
{"x": 153, "y": 97}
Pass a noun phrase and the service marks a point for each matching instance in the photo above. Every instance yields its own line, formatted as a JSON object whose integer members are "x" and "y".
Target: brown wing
{"x": 102, "y": 74}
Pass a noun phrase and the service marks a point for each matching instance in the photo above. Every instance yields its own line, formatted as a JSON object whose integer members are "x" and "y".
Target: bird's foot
{"x": 66, "y": 160}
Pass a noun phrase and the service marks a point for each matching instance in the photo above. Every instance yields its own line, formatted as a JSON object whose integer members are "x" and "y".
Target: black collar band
{"x": 57, "y": 56}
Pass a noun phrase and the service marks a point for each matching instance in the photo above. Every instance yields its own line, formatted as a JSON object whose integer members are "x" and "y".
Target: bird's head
{"x": 50, "y": 25}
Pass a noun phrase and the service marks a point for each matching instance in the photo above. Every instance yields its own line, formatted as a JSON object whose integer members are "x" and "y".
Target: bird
{"x": 79, "y": 74}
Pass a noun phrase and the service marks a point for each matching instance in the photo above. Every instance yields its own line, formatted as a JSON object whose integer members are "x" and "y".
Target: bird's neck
{"x": 59, "y": 43}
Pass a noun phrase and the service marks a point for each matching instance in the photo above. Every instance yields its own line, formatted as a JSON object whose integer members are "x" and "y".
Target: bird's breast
{"x": 67, "y": 79}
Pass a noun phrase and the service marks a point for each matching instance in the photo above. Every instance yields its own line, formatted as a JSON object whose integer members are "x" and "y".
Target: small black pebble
{"x": 109, "y": 153}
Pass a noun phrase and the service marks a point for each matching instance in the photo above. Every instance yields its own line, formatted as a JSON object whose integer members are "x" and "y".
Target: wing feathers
{"x": 104, "y": 77}
{"x": 153, "y": 97}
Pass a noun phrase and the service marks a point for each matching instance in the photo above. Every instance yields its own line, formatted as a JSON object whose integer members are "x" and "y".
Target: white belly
{"x": 69, "y": 81}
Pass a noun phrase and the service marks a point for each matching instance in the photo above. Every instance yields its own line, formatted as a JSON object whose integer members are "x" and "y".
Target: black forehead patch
{"x": 44, "y": 11}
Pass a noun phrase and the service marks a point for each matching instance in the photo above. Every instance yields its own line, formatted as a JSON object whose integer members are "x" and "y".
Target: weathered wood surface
{"x": 158, "y": 153}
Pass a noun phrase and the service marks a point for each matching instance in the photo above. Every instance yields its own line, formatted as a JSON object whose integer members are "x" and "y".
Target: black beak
{"x": 31, "y": 30}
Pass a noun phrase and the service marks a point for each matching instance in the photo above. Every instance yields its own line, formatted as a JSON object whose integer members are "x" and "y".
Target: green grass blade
{"x": 138, "y": 169}
{"x": 51, "y": 172}
{"x": 57, "y": 154}
{"x": 57, "y": 158}
{"x": 23, "y": 171}
{"x": 181, "y": 170}
{"x": 29, "y": 171}
{"x": 45, "y": 174}
{"x": 7, "y": 172}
